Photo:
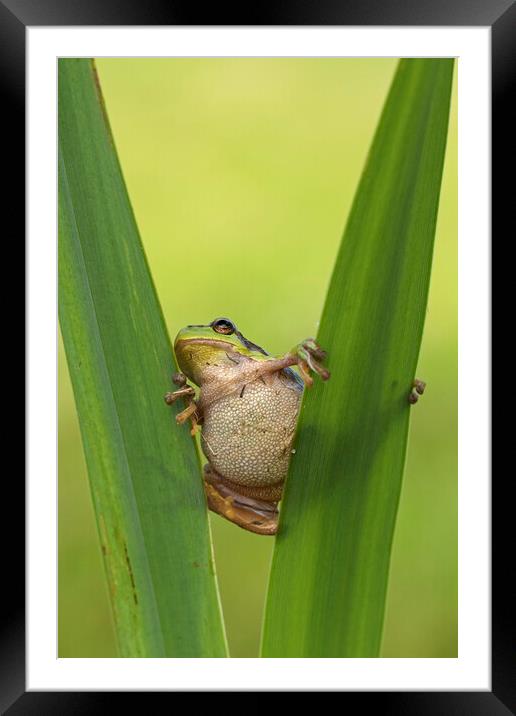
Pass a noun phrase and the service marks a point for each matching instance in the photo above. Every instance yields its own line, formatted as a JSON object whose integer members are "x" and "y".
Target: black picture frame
{"x": 500, "y": 16}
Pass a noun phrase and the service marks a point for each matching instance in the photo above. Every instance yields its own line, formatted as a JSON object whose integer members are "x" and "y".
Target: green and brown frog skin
{"x": 247, "y": 408}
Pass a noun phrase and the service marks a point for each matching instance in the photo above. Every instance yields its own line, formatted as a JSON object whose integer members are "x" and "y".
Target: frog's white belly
{"x": 248, "y": 439}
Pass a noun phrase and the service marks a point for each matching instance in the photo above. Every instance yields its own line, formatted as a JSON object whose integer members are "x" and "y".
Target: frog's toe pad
{"x": 418, "y": 388}
{"x": 311, "y": 355}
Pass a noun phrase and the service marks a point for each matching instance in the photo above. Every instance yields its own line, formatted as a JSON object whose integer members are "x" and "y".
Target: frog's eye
{"x": 223, "y": 325}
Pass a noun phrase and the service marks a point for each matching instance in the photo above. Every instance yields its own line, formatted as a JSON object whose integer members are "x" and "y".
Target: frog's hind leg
{"x": 267, "y": 493}
{"x": 251, "y": 514}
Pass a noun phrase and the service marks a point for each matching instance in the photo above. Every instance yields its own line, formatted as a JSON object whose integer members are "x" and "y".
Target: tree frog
{"x": 247, "y": 406}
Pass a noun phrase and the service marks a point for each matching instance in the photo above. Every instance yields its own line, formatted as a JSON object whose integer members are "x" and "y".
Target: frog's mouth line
{"x": 217, "y": 341}
{"x": 206, "y": 342}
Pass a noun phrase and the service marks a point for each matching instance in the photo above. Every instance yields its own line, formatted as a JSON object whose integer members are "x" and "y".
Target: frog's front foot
{"x": 187, "y": 393}
{"x": 310, "y": 355}
{"x": 418, "y": 388}
{"x": 254, "y": 515}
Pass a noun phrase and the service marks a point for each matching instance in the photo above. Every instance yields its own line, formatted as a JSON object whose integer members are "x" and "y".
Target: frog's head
{"x": 198, "y": 345}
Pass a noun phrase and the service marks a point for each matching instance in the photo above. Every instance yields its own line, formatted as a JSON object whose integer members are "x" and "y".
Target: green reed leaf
{"x": 144, "y": 472}
{"x": 330, "y": 566}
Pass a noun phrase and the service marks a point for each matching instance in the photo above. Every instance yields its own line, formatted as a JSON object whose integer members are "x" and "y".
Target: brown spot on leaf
{"x": 131, "y": 575}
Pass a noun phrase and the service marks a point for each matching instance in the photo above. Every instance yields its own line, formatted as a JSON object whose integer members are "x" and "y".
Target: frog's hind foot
{"x": 418, "y": 388}
{"x": 251, "y": 514}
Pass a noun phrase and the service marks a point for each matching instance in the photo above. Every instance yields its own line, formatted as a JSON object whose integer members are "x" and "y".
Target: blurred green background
{"x": 241, "y": 173}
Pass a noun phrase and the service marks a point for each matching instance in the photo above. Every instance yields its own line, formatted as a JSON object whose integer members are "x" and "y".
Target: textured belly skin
{"x": 248, "y": 439}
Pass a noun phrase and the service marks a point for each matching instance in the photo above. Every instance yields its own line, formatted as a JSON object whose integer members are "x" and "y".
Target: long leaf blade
{"x": 330, "y": 566}
{"x": 144, "y": 473}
